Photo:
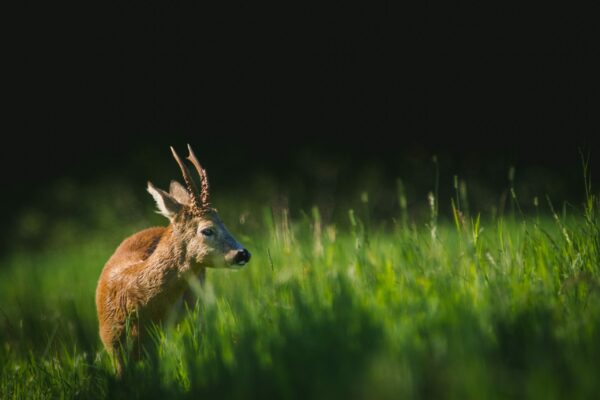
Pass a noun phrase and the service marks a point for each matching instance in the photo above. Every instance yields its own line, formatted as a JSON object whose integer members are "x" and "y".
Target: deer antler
{"x": 197, "y": 206}
{"x": 204, "y": 186}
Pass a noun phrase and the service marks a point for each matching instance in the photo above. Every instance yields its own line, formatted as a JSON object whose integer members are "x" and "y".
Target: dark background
{"x": 98, "y": 91}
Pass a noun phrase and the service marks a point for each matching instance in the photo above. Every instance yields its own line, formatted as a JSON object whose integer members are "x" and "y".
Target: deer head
{"x": 205, "y": 240}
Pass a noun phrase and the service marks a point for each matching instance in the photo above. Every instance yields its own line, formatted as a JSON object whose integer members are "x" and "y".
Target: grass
{"x": 466, "y": 308}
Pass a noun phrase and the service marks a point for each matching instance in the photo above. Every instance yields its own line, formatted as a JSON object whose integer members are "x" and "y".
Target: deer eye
{"x": 207, "y": 232}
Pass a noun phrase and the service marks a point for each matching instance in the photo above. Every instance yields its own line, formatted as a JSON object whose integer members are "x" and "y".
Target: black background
{"x": 256, "y": 87}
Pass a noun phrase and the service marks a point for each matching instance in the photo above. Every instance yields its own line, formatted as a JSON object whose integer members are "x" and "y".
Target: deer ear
{"x": 167, "y": 204}
{"x": 179, "y": 193}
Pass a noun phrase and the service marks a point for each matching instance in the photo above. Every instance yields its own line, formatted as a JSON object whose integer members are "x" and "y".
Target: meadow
{"x": 464, "y": 306}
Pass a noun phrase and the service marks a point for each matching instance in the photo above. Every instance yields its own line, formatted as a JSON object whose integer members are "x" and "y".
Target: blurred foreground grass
{"x": 466, "y": 308}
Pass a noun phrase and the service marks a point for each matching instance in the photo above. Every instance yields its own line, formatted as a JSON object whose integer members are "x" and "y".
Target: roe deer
{"x": 149, "y": 271}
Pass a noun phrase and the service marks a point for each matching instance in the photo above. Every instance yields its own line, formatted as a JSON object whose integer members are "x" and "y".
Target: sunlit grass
{"x": 468, "y": 308}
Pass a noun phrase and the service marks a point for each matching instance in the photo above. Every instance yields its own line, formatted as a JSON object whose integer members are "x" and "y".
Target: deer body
{"x": 149, "y": 272}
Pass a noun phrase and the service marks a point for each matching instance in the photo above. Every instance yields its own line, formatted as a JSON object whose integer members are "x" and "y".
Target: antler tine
{"x": 188, "y": 181}
{"x": 204, "y": 186}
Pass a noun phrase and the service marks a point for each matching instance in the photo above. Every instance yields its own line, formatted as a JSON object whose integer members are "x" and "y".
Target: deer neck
{"x": 166, "y": 273}
{"x": 169, "y": 262}
{"x": 169, "y": 253}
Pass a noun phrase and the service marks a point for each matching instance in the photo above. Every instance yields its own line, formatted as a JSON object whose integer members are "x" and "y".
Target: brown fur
{"x": 149, "y": 271}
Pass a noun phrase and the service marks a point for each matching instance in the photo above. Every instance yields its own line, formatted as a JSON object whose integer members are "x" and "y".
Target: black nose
{"x": 242, "y": 257}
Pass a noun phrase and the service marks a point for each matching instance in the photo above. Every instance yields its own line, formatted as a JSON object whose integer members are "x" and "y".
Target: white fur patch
{"x": 167, "y": 205}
